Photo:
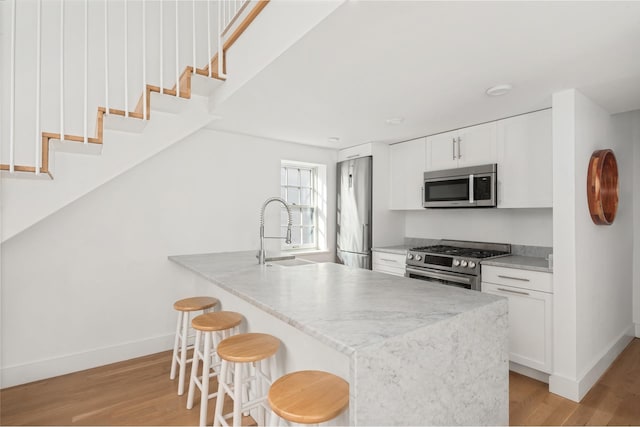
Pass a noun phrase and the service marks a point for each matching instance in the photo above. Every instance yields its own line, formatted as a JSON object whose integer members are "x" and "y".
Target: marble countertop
{"x": 521, "y": 262}
{"x": 346, "y": 308}
{"x": 398, "y": 249}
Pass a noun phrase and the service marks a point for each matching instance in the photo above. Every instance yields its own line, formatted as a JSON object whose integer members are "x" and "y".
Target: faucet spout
{"x": 287, "y": 239}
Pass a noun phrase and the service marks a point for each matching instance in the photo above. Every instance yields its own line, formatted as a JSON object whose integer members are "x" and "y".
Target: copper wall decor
{"x": 602, "y": 187}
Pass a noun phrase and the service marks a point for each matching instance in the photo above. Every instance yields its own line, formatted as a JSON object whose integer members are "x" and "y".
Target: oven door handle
{"x": 426, "y": 272}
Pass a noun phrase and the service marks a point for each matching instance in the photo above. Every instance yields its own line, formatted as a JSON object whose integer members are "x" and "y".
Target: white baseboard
{"x": 637, "y": 330}
{"x": 576, "y": 389}
{"x": 41, "y": 369}
{"x": 529, "y": 372}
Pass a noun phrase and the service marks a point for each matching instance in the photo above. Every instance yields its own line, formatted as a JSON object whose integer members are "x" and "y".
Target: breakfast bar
{"x": 413, "y": 352}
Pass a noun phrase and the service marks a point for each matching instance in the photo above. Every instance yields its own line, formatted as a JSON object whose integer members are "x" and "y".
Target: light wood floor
{"x": 139, "y": 392}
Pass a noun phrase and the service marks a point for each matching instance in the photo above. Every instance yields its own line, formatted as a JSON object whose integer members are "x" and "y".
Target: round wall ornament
{"x": 602, "y": 187}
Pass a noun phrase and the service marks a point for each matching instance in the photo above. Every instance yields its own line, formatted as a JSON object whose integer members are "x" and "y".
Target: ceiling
{"x": 430, "y": 63}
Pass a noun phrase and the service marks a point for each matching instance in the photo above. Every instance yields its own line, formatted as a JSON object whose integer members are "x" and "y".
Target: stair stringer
{"x": 25, "y": 202}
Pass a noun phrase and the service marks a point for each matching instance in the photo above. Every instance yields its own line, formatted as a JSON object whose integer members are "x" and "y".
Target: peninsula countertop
{"x": 405, "y": 346}
{"x": 347, "y": 308}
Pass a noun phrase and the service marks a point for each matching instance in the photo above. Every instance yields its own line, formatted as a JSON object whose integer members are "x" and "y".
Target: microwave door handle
{"x": 471, "y": 180}
{"x": 453, "y": 148}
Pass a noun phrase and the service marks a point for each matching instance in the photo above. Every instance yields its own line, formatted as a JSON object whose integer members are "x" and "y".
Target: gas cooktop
{"x": 459, "y": 251}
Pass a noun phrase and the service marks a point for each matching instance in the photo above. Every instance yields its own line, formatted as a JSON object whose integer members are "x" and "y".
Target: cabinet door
{"x": 441, "y": 151}
{"x": 407, "y": 169}
{"x": 477, "y": 145}
{"x": 361, "y": 150}
{"x": 525, "y": 166}
{"x": 529, "y": 325}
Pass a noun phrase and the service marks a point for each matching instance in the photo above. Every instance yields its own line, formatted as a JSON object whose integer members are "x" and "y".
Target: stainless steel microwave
{"x": 469, "y": 187}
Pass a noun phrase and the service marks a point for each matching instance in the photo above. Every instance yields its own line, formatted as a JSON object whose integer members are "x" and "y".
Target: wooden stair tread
{"x": 73, "y": 138}
{"x": 195, "y": 303}
{"x": 309, "y": 397}
{"x": 217, "y": 321}
{"x": 244, "y": 348}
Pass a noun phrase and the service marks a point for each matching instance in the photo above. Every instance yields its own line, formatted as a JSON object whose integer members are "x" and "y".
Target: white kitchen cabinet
{"x": 475, "y": 145}
{"x": 361, "y": 150}
{"x": 530, "y": 313}
{"x": 525, "y": 166}
{"x": 389, "y": 263}
{"x": 407, "y": 161}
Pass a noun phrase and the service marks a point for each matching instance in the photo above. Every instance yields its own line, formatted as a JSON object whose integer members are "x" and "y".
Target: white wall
{"x": 92, "y": 282}
{"x": 516, "y": 226}
{"x": 388, "y": 225}
{"x": 635, "y": 118}
{"x": 593, "y": 264}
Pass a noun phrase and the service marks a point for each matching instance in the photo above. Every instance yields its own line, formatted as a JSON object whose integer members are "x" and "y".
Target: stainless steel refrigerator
{"x": 353, "y": 224}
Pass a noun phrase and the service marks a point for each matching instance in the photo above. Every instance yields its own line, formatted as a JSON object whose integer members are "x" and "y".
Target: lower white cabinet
{"x": 389, "y": 263}
{"x": 530, "y": 313}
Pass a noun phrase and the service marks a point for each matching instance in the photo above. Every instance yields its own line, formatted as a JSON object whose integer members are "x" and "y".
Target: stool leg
{"x": 194, "y": 370}
{"x": 174, "y": 360}
{"x": 183, "y": 353}
{"x": 221, "y": 392}
{"x": 237, "y": 394}
{"x": 247, "y": 388}
{"x": 206, "y": 367}
{"x": 263, "y": 387}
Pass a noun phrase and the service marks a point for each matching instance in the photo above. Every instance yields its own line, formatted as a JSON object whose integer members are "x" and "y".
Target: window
{"x": 299, "y": 187}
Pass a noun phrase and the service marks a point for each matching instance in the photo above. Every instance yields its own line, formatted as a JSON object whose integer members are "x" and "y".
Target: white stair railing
{"x": 84, "y": 37}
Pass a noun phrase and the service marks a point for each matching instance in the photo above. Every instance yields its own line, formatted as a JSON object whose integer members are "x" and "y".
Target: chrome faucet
{"x": 261, "y": 253}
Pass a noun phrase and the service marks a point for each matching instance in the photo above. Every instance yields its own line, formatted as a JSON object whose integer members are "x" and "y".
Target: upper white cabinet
{"x": 361, "y": 150}
{"x": 407, "y": 161}
{"x": 475, "y": 145}
{"x": 525, "y": 167}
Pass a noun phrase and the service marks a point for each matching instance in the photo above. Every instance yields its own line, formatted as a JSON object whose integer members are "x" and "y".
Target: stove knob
{"x": 410, "y": 256}
{"x": 456, "y": 262}
{"x": 472, "y": 264}
{"x": 463, "y": 263}
{"x": 418, "y": 257}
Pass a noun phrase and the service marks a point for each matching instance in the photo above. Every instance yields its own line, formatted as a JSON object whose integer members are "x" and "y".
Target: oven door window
{"x": 446, "y": 191}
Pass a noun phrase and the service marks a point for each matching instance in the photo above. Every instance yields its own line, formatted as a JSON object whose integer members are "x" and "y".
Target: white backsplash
{"x": 530, "y": 227}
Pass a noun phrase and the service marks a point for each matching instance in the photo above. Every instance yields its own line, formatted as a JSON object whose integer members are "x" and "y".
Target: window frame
{"x": 299, "y": 208}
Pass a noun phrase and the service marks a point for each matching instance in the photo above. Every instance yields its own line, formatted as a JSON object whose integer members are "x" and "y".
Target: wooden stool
{"x": 185, "y": 307}
{"x": 309, "y": 397}
{"x": 216, "y": 325}
{"x": 255, "y": 349}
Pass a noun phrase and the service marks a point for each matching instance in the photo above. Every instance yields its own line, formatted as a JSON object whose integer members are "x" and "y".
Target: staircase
{"x": 48, "y": 158}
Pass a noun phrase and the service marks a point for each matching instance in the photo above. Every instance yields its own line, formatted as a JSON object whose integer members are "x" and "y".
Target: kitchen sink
{"x": 292, "y": 262}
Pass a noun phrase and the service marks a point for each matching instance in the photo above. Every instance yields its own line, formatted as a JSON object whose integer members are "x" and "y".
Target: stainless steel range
{"x": 453, "y": 262}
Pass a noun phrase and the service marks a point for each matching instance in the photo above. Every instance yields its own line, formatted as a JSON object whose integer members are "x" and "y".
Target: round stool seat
{"x": 309, "y": 397}
{"x": 245, "y": 348}
{"x": 195, "y": 303}
{"x": 216, "y": 321}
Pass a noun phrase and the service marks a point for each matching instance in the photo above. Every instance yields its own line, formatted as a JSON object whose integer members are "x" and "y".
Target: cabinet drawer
{"x": 525, "y": 279}
{"x": 389, "y": 260}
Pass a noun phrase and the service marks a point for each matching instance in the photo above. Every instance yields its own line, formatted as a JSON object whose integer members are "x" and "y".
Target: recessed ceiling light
{"x": 334, "y": 139}
{"x": 498, "y": 90}
{"x": 395, "y": 120}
